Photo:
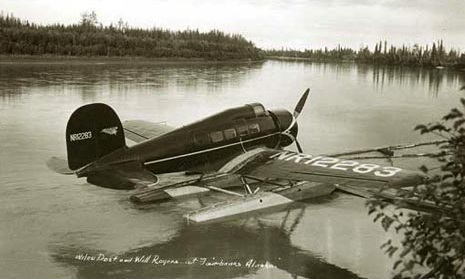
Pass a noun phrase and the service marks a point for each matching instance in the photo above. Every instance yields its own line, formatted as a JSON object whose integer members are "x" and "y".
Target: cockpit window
{"x": 216, "y": 136}
{"x": 229, "y": 133}
{"x": 254, "y": 128}
{"x": 258, "y": 109}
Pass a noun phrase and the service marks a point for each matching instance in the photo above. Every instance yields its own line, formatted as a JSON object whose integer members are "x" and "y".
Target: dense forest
{"x": 436, "y": 55}
{"x": 89, "y": 38}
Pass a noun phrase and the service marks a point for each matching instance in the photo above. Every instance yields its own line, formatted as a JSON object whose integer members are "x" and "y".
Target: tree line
{"x": 436, "y": 55}
{"x": 91, "y": 38}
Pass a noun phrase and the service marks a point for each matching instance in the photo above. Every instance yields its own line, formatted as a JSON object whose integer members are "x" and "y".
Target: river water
{"x": 50, "y": 223}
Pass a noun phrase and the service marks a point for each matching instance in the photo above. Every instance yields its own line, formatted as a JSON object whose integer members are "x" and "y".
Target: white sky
{"x": 273, "y": 24}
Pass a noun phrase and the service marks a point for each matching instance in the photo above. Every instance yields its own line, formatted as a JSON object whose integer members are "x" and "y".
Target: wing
{"x": 150, "y": 187}
{"x": 132, "y": 175}
{"x": 312, "y": 176}
{"x": 278, "y": 164}
{"x": 172, "y": 185}
{"x": 140, "y": 130}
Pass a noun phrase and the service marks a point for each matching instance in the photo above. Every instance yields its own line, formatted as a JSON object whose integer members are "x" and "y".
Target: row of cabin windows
{"x": 228, "y": 134}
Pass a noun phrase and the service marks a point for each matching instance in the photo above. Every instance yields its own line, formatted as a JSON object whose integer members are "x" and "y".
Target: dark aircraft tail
{"x": 93, "y": 131}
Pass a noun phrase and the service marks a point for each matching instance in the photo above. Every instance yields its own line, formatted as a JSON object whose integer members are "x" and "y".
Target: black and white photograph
{"x": 232, "y": 139}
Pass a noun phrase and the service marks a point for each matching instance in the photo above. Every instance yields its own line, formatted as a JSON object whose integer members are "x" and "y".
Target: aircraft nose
{"x": 287, "y": 125}
{"x": 283, "y": 119}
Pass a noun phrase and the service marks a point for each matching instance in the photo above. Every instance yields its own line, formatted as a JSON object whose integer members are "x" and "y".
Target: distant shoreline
{"x": 115, "y": 60}
{"x": 124, "y": 60}
{"x": 290, "y": 58}
{"x": 454, "y": 67}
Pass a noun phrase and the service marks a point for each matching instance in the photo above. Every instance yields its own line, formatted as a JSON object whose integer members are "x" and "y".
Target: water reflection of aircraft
{"x": 244, "y": 248}
{"x": 240, "y": 145}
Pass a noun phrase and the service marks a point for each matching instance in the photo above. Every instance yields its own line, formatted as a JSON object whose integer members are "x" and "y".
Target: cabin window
{"x": 229, "y": 134}
{"x": 254, "y": 128}
{"x": 243, "y": 131}
{"x": 201, "y": 139}
{"x": 216, "y": 136}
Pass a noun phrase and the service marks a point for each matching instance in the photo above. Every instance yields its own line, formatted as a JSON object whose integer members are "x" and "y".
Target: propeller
{"x": 300, "y": 105}
{"x": 299, "y": 148}
{"x": 298, "y": 109}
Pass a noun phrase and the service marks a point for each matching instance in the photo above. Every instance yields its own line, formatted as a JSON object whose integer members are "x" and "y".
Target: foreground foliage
{"x": 432, "y": 245}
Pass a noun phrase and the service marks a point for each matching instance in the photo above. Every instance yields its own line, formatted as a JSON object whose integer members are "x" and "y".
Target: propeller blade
{"x": 301, "y": 103}
{"x": 299, "y": 148}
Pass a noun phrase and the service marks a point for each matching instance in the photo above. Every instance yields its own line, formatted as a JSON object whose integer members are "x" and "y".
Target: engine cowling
{"x": 286, "y": 124}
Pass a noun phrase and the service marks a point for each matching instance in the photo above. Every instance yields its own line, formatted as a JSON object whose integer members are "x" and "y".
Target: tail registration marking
{"x": 336, "y": 164}
{"x": 80, "y": 136}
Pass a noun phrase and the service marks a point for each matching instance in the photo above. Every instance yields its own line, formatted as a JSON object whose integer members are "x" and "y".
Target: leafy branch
{"x": 432, "y": 245}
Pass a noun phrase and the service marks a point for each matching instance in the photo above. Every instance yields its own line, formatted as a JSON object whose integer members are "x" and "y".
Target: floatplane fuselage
{"x": 239, "y": 143}
{"x": 201, "y": 146}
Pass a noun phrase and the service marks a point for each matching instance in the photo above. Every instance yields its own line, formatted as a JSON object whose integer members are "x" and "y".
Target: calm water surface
{"x": 47, "y": 219}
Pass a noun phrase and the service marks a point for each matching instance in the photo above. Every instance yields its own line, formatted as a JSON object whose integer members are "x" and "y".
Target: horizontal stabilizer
{"x": 58, "y": 165}
{"x": 140, "y": 130}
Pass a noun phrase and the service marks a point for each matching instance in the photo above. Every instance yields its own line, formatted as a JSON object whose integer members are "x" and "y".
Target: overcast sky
{"x": 273, "y": 24}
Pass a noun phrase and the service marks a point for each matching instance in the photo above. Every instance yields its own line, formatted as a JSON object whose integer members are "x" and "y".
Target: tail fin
{"x": 93, "y": 131}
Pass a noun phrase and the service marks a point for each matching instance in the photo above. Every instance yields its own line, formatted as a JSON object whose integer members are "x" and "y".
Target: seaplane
{"x": 241, "y": 147}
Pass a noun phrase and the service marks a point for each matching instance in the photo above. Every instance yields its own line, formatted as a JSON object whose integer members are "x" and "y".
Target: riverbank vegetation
{"x": 89, "y": 38}
{"x": 435, "y": 240}
{"x": 383, "y": 54}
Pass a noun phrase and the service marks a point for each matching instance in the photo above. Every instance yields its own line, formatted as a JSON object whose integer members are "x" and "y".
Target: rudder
{"x": 93, "y": 131}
